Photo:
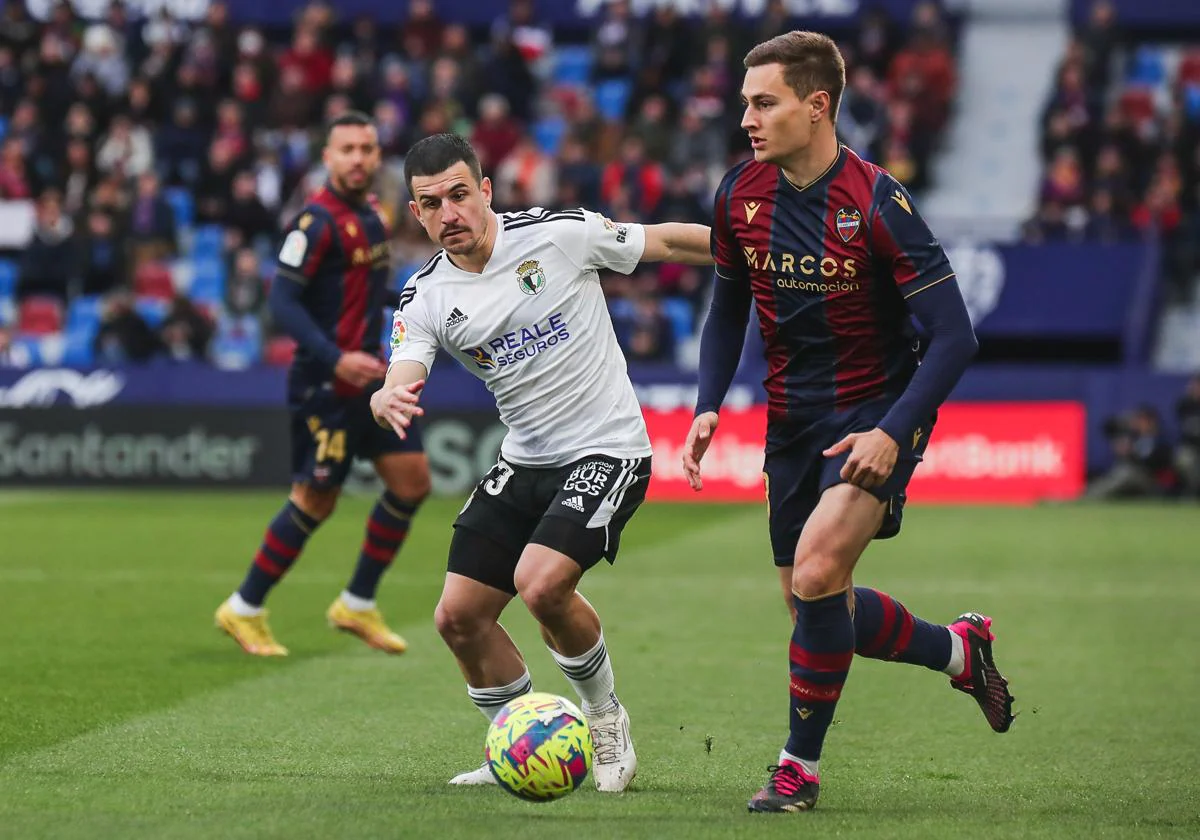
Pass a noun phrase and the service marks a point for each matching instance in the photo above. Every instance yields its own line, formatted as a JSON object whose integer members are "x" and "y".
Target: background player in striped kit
{"x": 835, "y": 258}
{"x": 516, "y": 299}
{"x": 329, "y": 294}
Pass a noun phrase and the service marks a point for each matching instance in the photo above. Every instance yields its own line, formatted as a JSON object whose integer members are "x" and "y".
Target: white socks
{"x": 958, "y": 655}
{"x": 590, "y": 674}
{"x": 490, "y": 701}
{"x": 240, "y": 607}
{"x": 357, "y": 604}
{"x": 809, "y": 767}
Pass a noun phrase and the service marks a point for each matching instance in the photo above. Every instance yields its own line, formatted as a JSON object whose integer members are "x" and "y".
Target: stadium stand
{"x": 228, "y": 118}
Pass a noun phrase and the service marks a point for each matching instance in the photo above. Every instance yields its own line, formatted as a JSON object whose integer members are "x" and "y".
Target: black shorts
{"x": 330, "y": 431}
{"x": 797, "y": 473}
{"x": 579, "y": 510}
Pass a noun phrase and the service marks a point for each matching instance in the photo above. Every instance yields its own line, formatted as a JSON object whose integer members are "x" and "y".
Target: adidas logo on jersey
{"x": 455, "y": 318}
{"x": 574, "y": 503}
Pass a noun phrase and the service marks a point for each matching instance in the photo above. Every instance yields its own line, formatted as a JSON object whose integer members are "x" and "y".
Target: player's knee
{"x": 318, "y": 504}
{"x": 817, "y": 574}
{"x": 414, "y": 489}
{"x": 457, "y": 624}
{"x": 546, "y": 596}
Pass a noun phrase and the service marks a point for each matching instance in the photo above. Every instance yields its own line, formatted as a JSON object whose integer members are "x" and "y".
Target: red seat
{"x": 153, "y": 279}
{"x": 279, "y": 351}
{"x": 40, "y": 316}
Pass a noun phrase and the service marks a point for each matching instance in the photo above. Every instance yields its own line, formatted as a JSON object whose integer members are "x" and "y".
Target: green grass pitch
{"x": 124, "y": 714}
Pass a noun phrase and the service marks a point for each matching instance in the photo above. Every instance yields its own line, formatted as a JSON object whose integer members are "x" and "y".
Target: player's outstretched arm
{"x": 721, "y": 343}
{"x": 395, "y": 404}
{"x": 677, "y": 242}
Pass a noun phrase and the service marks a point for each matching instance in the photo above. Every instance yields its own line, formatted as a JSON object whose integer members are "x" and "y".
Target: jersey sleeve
{"x": 305, "y": 244}
{"x": 414, "y": 338}
{"x": 593, "y": 241}
{"x": 902, "y": 241}
{"x": 727, "y": 256}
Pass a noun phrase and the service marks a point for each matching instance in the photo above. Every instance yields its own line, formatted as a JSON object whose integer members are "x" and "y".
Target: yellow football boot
{"x": 249, "y": 631}
{"x": 368, "y": 625}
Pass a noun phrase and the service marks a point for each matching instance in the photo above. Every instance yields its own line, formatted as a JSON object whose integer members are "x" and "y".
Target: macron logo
{"x": 455, "y": 318}
{"x": 574, "y": 503}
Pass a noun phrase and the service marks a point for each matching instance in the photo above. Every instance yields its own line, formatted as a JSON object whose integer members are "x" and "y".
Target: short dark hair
{"x": 437, "y": 153}
{"x": 811, "y": 62}
{"x": 348, "y": 118}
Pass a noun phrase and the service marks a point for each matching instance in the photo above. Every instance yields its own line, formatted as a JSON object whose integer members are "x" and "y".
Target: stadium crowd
{"x": 162, "y": 156}
{"x": 1121, "y": 146}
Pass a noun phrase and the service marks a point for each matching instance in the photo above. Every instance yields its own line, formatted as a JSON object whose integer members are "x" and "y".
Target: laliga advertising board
{"x": 1007, "y": 452}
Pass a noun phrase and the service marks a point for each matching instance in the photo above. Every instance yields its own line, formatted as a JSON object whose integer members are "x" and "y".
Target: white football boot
{"x": 478, "y": 776}
{"x": 615, "y": 763}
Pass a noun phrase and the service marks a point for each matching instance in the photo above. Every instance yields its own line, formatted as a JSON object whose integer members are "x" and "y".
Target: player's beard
{"x": 344, "y": 187}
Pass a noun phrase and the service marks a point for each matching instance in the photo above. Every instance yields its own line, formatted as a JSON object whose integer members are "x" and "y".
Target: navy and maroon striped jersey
{"x": 830, "y": 266}
{"x": 338, "y": 251}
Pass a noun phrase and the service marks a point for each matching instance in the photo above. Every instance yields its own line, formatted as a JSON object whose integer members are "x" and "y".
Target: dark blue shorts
{"x": 329, "y": 431}
{"x": 796, "y": 473}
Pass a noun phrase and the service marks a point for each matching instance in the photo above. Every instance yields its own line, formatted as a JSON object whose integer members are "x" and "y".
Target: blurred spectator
{"x": 77, "y": 176}
{"x": 876, "y": 41}
{"x": 526, "y": 178}
{"x": 185, "y": 332}
{"x": 653, "y": 127}
{"x": 124, "y": 336}
{"x": 639, "y": 179}
{"x": 1187, "y": 454}
{"x": 244, "y": 289}
{"x": 101, "y": 256}
{"x": 101, "y": 59}
{"x": 1142, "y": 464}
{"x": 520, "y": 27}
{"x": 311, "y": 58}
{"x": 125, "y": 149}
{"x": 862, "y": 117}
{"x": 214, "y": 190}
{"x": 50, "y": 262}
{"x": 246, "y": 216}
{"x": 421, "y": 33}
{"x": 496, "y": 133}
{"x": 151, "y": 222}
{"x": 181, "y": 146}
{"x": 645, "y": 331}
{"x": 578, "y": 175}
{"x": 14, "y": 180}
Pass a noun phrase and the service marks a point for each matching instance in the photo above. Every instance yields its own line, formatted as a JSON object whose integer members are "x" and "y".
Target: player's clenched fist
{"x": 698, "y": 439}
{"x": 394, "y": 406}
{"x": 872, "y": 457}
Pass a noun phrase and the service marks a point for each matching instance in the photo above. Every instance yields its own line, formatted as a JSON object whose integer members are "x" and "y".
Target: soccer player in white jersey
{"x": 515, "y": 298}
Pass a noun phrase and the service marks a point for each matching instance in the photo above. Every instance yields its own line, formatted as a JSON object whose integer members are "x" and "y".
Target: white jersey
{"x": 535, "y": 328}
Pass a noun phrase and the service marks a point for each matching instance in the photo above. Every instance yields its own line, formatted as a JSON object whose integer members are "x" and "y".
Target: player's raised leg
{"x": 546, "y": 581}
{"x": 884, "y": 629}
{"x": 243, "y": 615}
{"x": 406, "y": 479}
{"x": 822, "y": 644}
{"x": 477, "y": 589}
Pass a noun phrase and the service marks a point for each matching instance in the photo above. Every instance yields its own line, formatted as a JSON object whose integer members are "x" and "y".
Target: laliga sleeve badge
{"x": 399, "y": 330}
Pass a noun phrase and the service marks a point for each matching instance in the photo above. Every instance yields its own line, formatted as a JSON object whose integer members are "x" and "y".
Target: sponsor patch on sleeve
{"x": 295, "y": 246}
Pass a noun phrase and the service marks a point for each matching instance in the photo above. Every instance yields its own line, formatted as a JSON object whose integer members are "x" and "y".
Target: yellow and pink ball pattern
{"x": 539, "y": 747}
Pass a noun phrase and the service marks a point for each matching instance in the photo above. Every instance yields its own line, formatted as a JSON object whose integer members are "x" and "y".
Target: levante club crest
{"x": 848, "y": 220}
{"x": 530, "y": 277}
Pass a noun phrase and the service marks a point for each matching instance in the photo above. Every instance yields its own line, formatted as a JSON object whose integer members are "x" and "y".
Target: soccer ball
{"x": 539, "y": 747}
